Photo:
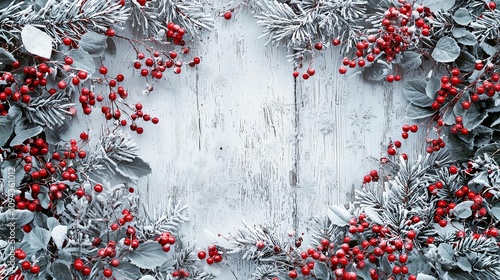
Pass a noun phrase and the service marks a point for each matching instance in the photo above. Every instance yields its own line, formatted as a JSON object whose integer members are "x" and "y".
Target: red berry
{"x": 342, "y": 70}
{"x": 227, "y": 15}
{"x": 318, "y": 46}
{"x": 35, "y": 269}
{"x": 26, "y": 265}
{"x": 61, "y": 85}
{"x": 68, "y": 60}
{"x": 453, "y": 169}
{"x": 391, "y": 151}
{"x": 103, "y": 70}
{"x": 492, "y": 5}
{"x": 202, "y": 255}
{"x": 107, "y": 272}
{"x": 98, "y": 188}
{"x": 110, "y": 32}
{"x": 67, "y": 41}
{"x": 292, "y": 274}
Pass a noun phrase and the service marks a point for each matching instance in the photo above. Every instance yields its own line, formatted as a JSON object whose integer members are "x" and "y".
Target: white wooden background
{"x": 240, "y": 139}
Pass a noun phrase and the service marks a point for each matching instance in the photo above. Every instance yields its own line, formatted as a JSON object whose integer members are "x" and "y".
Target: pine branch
{"x": 193, "y": 16}
{"x": 265, "y": 272}
{"x": 51, "y": 111}
{"x": 167, "y": 218}
{"x": 245, "y": 240}
{"x": 296, "y": 23}
{"x": 68, "y": 18}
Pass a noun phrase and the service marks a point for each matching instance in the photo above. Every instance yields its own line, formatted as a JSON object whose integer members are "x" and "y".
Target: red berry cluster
{"x": 401, "y": 27}
{"x": 32, "y": 79}
{"x": 26, "y": 266}
{"x": 372, "y": 176}
{"x": 115, "y": 109}
{"x": 181, "y": 273}
{"x": 49, "y": 170}
{"x": 214, "y": 255}
{"x": 108, "y": 254}
{"x": 166, "y": 239}
{"x": 309, "y": 71}
{"x": 79, "y": 265}
{"x": 435, "y": 145}
{"x": 354, "y": 252}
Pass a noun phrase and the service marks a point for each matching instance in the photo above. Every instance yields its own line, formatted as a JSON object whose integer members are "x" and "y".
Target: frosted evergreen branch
{"x": 265, "y": 272}
{"x": 167, "y": 218}
{"x": 194, "y": 16}
{"x": 51, "y": 111}
{"x": 68, "y": 18}
{"x": 296, "y": 23}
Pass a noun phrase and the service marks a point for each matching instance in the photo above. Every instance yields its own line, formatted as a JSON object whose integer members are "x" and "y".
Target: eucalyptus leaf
{"x": 414, "y": 112}
{"x": 82, "y": 60}
{"x": 465, "y": 61}
{"x": 61, "y": 271}
{"x": 492, "y": 150}
{"x": 462, "y": 16}
{"x": 468, "y": 40}
{"x": 111, "y": 46}
{"x": 495, "y": 210}
{"x": 26, "y": 134}
{"x": 94, "y": 43}
{"x": 36, "y": 41}
{"x": 432, "y": 87}
{"x": 6, "y": 58}
{"x": 464, "y": 264}
{"x": 446, "y": 50}
{"x": 488, "y": 49}
{"x": 321, "y": 271}
{"x": 377, "y": 71}
{"x": 462, "y": 210}
{"x": 16, "y": 218}
{"x": 415, "y": 92}
{"x": 126, "y": 270}
{"x": 339, "y": 216}
{"x": 445, "y": 251}
{"x": 411, "y": 60}
{"x": 6, "y": 129}
{"x": 135, "y": 169}
{"x": 422, "y": 276}
{"x": 148, "y": 256}
{"x": 38, "y": 238}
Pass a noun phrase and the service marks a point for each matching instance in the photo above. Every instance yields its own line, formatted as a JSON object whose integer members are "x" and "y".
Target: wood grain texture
{"x": 239, "y": 139}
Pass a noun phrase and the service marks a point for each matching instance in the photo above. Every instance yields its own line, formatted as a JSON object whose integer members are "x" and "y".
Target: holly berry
{"x": 98, "y": 188}
{"x": 293, "y": 274}
{"x": 103, "y": 70}
{"x": 318, "y": 46}
{"x": 107, "y": 272}
{"x": 202, "y": 255}
{"x": 228, "y": 15}
{"x": 453, "y": 169}
{"x": 26, "y": 265}
{"x": 35, "y": 269}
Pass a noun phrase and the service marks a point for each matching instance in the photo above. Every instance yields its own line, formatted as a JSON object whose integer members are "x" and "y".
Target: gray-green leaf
{"x": 149, "y": 255}
{"x": 36, "y": 41}
{"x": 414, "y": 112}
{"x": 25, "y": 134}
{"x": 82, "y": 60}
{"x": 462, "y": 210}
{"x": 411, "y": 60}
{"x": 321, "y": 271}
{"x": 135, "y": 169}
{"x": 94, "y": 43}
{"x": 38, "y": 238}
{"x": 339, "y": 215}
{"x": 446, "y": 50}
{"x": 415, "y": 92}
{"x": 462, "y": 16}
